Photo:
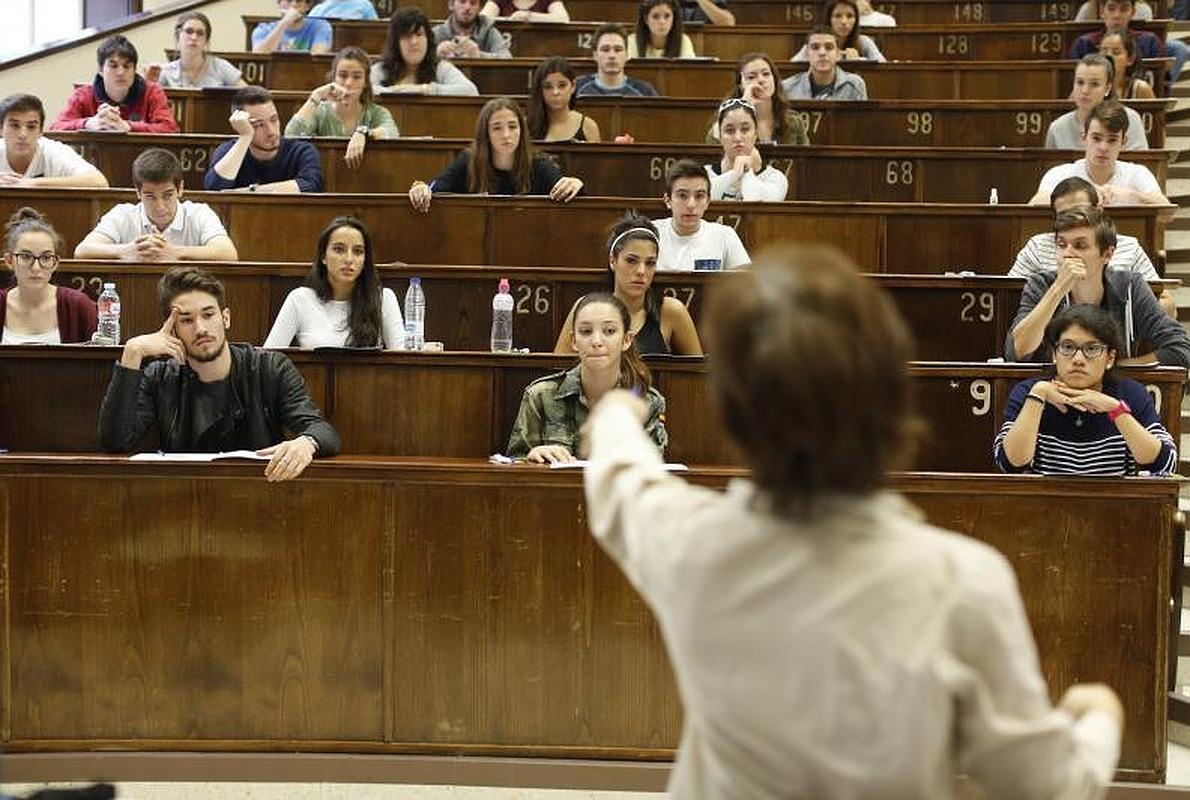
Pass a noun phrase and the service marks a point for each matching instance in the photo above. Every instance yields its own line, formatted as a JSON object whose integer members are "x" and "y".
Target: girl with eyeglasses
{"x": 36, "y": 311}
{"x": 1085, "y": 420}
{"x": 195, "y": 67}
{"x": 741, "y": 173}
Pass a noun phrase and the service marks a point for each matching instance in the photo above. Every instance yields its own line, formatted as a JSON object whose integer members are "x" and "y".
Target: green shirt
{"x": 553, "y": 410}
{"x": 327, "y": 124}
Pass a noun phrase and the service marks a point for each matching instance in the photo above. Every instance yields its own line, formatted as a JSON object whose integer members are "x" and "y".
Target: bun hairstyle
{"x": 634, "y": 374}
{"x": 28, "y": 220}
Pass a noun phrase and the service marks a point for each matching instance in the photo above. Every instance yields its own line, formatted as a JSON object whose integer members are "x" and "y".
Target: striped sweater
{"x": 1082, "y": 443}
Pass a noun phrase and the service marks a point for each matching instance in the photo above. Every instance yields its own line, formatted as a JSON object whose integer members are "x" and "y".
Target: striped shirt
{"x": 1041, "y": 253}
{"x": 1082, "y": 443}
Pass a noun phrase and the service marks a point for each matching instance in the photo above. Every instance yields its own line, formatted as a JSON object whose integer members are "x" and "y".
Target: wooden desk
{"x": 879, "y": 237}
{"x": 466, "y": 402}
{"x": 364, "y": 608}
{"x": 932, "y": 175}
{"x": 901, "y": 123}
{"x": 909, "y": 80}
{"x": 950, "y": 42}
{"x": 952, "y": 318}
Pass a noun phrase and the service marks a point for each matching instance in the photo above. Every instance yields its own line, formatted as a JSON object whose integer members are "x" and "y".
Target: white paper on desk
{"x": 249, "y": 454}
{"x": 580, "y": 464}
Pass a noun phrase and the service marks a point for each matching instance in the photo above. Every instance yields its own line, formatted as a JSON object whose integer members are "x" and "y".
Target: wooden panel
{"x": 872, "y": 234}
{"x": 962, "y": 42}
{"x": 463, "y": 404}
{"x": 953, "y": 80}
{"x": 903, "y": 123}
{"x": 458, "y": 607}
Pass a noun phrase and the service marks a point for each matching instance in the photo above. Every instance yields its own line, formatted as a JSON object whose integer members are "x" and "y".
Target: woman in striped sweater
{"x": 1086, "y": 420}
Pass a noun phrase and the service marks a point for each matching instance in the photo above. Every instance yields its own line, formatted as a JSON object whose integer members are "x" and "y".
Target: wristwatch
{"x": 1118, "y": 411}
{"x": 362, "y": 129}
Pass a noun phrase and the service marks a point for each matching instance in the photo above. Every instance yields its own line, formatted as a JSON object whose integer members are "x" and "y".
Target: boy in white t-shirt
{"x": 1119, "y": 183}
{"x": 686, "y": 238}
{"x": 29, "y": 159}
{"x": 161, "y": 227}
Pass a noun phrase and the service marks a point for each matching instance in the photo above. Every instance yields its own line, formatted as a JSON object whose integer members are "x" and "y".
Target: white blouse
{"x": 314, "y": 323}
{"x": 47, "y": 337}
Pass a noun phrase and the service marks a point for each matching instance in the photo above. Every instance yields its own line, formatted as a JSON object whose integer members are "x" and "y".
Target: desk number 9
{"x": 981, "y": 393}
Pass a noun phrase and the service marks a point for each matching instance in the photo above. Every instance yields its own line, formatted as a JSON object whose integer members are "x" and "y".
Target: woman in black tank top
{"x": 551, "y": 105}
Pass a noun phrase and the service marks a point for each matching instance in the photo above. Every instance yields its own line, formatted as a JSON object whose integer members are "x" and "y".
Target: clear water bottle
{"x": 502, "y": 318}
{"x": 415, "y": 315}
{"x": 109, "y": 314}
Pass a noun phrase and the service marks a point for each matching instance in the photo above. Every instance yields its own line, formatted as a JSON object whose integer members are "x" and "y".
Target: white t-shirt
{"x": 711, "y": 240}
{"x": 9, "y": 336}
{"x": 314, "y": 323}
{"x": 194, "y": 225}
{"x": 1040, "y": 254}
{"x": 51, "y": 160}
{"x": 1066, "y": 132}
{"x": 1127, "y": 175}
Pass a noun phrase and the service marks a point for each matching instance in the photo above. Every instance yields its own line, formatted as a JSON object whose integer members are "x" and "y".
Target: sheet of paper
{"x": 580, "y": 464}
{"x": 159, "y": 456}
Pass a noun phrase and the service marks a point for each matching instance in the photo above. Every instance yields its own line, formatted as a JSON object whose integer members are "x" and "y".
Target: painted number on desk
{"x": 810, "y": 120}
{"x": 1050, "y": 43}
{"x": 384, "y": 8}
{"x": 255, "y": 72}
{"x": 981, "y": 307}
{"x": 88, "y": 286}
{"x": 968, "y": 12}
{"x": 953, "y": 44}
{"x": 730, "y": 219}
{"x": 981, "y": 393}
{"x": 1154, "y": 392}
{"x": 1147, "y": 119}
{"x": 658, "y": 166}
{"x": 802, "y": 13}
{"x": 584, "y": 40}
{"x": 193, "y": 159}
{"x": 1028, "y": 122}
{"x": 1059, "y": 12}
{"x": 899, "y": 172}
{"x": 532, "y": 299}
{"x": 683, "y": 293}
{"x": 175, "y": 108}
{"x": 919, "y": 123}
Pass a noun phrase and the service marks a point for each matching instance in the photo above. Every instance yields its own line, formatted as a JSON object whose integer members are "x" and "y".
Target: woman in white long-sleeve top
{"x": 742, "y": 174}
{"x": 410, "y": 63}
{"x": 342, "y": 303}
{"x": 827, "y": 642}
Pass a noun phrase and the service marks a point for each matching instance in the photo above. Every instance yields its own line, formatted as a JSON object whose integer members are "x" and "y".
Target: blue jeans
{"x": 1178, "y": 51}
{"x": 1180, "y": 10}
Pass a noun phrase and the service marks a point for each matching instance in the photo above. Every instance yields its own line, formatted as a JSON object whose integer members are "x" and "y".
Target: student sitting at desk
{"x": 756, "y": 80}
{"x": 1085, "y": 420}
{"x": 410, "y": 63}
{"x": 609, "y": 48}
{"x": 1093, "y": 83}
{"x": 342, "y": 303}
{"x": 685, "y": 238}
{"x": 36, "y": 311}
{"x": 550, "y": 420}
{"x": 293, "y": 31}
{"x": 195, "y": 67}
{"x": 659, "y": 32}
{"x": 825, "y": 79}
{"x": 741, "y": 173}
{"x": 843, "y": 16}
{"x": 551, "y": 115}
{"x": 202, "y": 394}
{"x": 468, "y": 34}
{"x": 1120, "y": 47}
{"x": 118, "y": 100}
{"x": 527, "y": 10}
{"x": 260, "y": 159}
{"x": 27, "y": 158}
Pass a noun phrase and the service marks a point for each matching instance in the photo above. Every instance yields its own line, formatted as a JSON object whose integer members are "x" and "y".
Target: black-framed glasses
{"x": 1092, "y": 350}
{"x": 736, "y": 102}
{"x": 26, "y": 259}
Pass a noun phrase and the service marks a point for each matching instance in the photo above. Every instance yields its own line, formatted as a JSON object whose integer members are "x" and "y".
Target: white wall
{"x": 52, "y": 78}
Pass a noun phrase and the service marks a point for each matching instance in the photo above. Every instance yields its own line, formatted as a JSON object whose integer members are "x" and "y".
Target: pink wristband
{"x": 1115, "y": 413}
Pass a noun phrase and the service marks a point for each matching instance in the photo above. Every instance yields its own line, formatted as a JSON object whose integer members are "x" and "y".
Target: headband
{"x": 650, "y": 233}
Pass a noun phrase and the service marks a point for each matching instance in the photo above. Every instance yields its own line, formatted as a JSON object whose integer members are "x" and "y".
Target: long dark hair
{"x": 634, "y": 374}
{"x": 620, "y": 235}
{"x": 405, "y": 21}
{"x": 482, "y": 175}
{"x": 539, "y": 115}
{"x": 359, "y": 56}
{"x": 1133, "y": 67}
{"x": 780, "y": 99}
{"x": 828, "y": 9}
{"x": 673, "y": 41}
{"x": 364, "y": 321}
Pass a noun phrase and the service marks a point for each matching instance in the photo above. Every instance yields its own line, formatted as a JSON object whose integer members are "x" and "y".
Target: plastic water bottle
{"x": 502, "y": 319}
{"x": 109, "y": 314}
{"x": 415, "y": 315}
{"x": 994, "y": 197}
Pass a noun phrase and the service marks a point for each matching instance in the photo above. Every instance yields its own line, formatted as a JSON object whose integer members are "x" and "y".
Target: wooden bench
{"x": 464, "y": 404}
{"x": 931, "y": 175}
{"x": 953, "y": 318}
{"x": 195, "y": 607}
{"x": 950, "y": 42}
{"x": 909, "y": 80}
{"x": 532, "y": 232}
{"x": 901, "y": 123}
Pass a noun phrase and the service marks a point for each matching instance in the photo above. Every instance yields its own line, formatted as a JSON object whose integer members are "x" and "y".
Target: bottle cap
{"x": 504, "y": 287}
{"x": 109, "y": 285}
{"x": 415, "y": 281}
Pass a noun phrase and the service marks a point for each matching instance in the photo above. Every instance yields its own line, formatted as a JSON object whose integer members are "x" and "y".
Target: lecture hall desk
{"x": 952, "y": 318}
{"x": 902, "y": 123}
{"x": 362, "y": 608}
{"x": 894, "y": 175}
{"x": 1006, "y": 41}
{"x": 950, "y": 80}
{"x": 468, "y": 229}
{"x": 467, "y": 402}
